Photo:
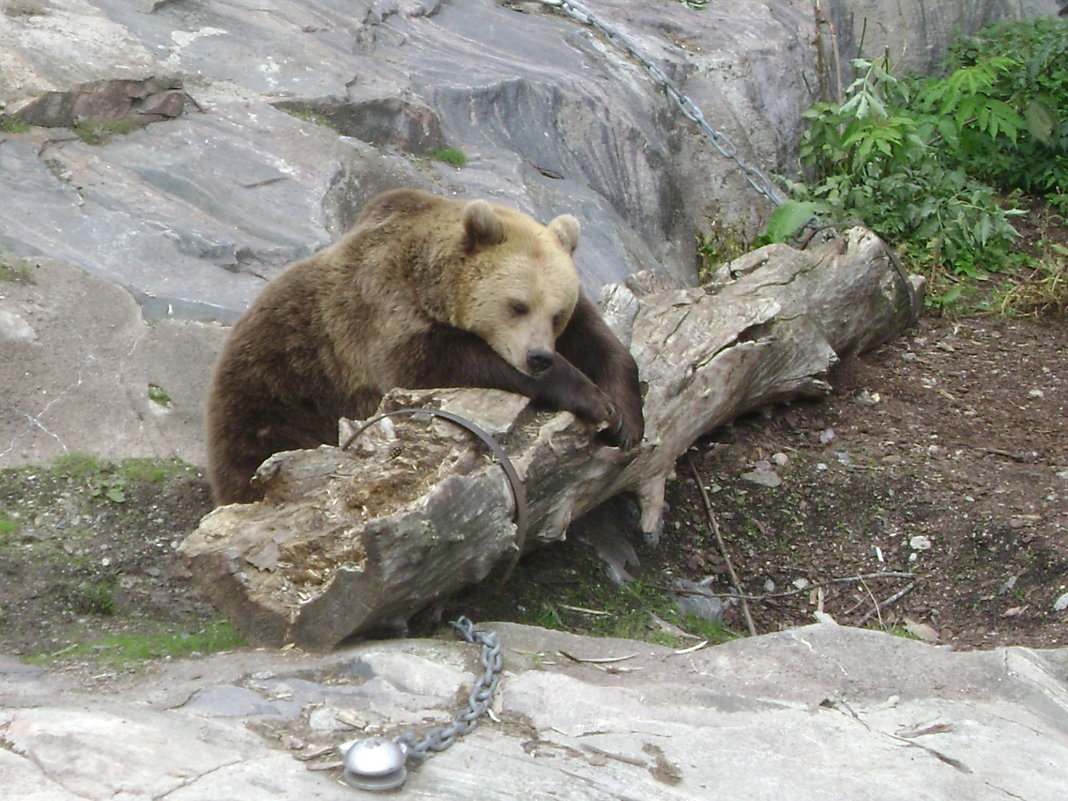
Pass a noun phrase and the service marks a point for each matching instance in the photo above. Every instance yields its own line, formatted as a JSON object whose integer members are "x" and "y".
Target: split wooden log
{"x": 353, "y": 541}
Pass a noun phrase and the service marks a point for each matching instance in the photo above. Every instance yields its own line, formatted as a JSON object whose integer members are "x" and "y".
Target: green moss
{"x": 309, "y": 116}
{"x": 450, "y": 155}
{"x": 14, "y": 269}
{"x": 9, "y": 526}
{"x": 122, "y": 651}
{"x": 158, "y": 394}
{"x": 97, "y": 133}
{"x": 13, "y": 125}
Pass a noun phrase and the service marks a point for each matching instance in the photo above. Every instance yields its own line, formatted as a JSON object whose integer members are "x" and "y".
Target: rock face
{"x": 288, "y": 117}
{"x": 915, "y": 34}
{"x": 825, "y": 711}
{"x": 307, "y": 109}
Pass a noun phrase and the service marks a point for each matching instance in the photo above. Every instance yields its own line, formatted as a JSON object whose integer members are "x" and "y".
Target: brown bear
{"x": 422, "y": 292}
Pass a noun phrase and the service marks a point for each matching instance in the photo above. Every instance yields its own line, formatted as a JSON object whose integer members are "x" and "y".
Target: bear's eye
{"x": 558, "y": 321}
{"x": 518, "y": 308}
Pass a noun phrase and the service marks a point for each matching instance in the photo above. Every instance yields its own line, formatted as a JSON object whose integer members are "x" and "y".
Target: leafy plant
{"x": 788, "y": 219}
{"x": 96, "y": 597}
{"x": 879, "y": 157}
{"x": 111, "y": 481}
{"x": 1021, "y": 69}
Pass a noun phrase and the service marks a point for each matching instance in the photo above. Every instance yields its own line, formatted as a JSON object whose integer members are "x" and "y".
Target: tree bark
{"x": 350, "y": 541}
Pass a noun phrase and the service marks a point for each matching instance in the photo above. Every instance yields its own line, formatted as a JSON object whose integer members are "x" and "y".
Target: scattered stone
{"x": 1061, "y": 603}
{"x": 826, "y": 435}
{"x": 921, "y": 542}
{"x": 1010, "y": 582}
{"x": 13, "y": 328}
{"x": 696, "y": 599}
{"x": 866, "y": 398}
{"x": 921, "y": 631}
{"x": 765, "y": 478}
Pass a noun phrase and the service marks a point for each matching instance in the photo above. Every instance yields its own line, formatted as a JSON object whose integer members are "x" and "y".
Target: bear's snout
{"x": 539, "y": 361}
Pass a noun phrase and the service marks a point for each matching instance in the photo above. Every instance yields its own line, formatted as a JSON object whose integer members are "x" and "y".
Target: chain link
{"x": 723, "y": 143}
{"x": 478, "y": 702}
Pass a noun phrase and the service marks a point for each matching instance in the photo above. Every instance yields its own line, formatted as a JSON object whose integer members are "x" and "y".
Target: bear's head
{"x": 519, "y": 283}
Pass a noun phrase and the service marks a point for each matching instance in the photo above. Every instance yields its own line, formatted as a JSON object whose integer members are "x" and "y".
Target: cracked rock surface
{"x": 813, "y": 713}
{"x": 83, "y": 372}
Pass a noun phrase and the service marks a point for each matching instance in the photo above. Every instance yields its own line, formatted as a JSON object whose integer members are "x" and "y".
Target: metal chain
{"x": 723, "y": 143}
{"x": 378, "y": 763}
{"x": 478, "y": 702}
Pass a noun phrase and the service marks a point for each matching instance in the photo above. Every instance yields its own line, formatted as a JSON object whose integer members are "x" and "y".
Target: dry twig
{"x": 735, "y": 584}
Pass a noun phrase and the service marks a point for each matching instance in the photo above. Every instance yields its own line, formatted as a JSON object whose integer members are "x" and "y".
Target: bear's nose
{"x": 539, "y": 361}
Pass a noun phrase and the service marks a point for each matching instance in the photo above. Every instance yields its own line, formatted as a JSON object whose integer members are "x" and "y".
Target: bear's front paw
{"x": 593, "y": 406}
{"x": 624, "y": 430}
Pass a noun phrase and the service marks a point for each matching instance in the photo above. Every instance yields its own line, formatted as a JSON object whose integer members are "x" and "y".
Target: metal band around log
{"x": 518, "y": 494}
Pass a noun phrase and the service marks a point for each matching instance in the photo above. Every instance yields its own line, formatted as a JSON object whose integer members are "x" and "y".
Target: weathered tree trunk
{"x": 350, "y": 541}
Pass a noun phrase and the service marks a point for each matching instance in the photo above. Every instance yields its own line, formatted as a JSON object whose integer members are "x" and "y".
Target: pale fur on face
{"x": 526, "y": 287}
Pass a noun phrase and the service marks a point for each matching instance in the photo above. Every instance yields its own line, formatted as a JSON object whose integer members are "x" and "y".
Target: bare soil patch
{"x": 943, "y": 454}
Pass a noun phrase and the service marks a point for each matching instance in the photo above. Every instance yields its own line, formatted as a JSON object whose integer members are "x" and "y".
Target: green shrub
{"x": 1022, "y": 142}
{"x": 879, "y": 158}
{"x": 926, "y": 162}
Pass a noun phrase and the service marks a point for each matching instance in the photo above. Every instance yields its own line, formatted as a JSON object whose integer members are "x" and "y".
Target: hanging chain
{"x": 756, "y": 179}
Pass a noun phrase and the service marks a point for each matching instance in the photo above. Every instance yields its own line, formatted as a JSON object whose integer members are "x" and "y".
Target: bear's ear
{"x": 482, "y": 226}
{"x": 566, "y": 229}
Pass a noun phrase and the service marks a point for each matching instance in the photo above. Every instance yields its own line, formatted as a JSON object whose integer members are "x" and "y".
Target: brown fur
{"x": 422, "y": 292}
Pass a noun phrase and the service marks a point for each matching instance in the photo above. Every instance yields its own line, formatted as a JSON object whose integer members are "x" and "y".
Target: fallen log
{"x": 358, "y": 540}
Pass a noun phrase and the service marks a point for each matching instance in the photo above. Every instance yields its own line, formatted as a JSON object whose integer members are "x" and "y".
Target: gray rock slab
{"x": 76, "y": 363}
{"x": 812, "y": 713}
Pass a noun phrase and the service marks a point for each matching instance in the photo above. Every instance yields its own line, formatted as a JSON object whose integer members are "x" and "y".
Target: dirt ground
{"x": 938, "y": 470}
{"x": 943, "y": 455}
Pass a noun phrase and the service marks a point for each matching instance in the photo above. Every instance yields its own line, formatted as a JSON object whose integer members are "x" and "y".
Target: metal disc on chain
{"x": 376, "y": 763}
